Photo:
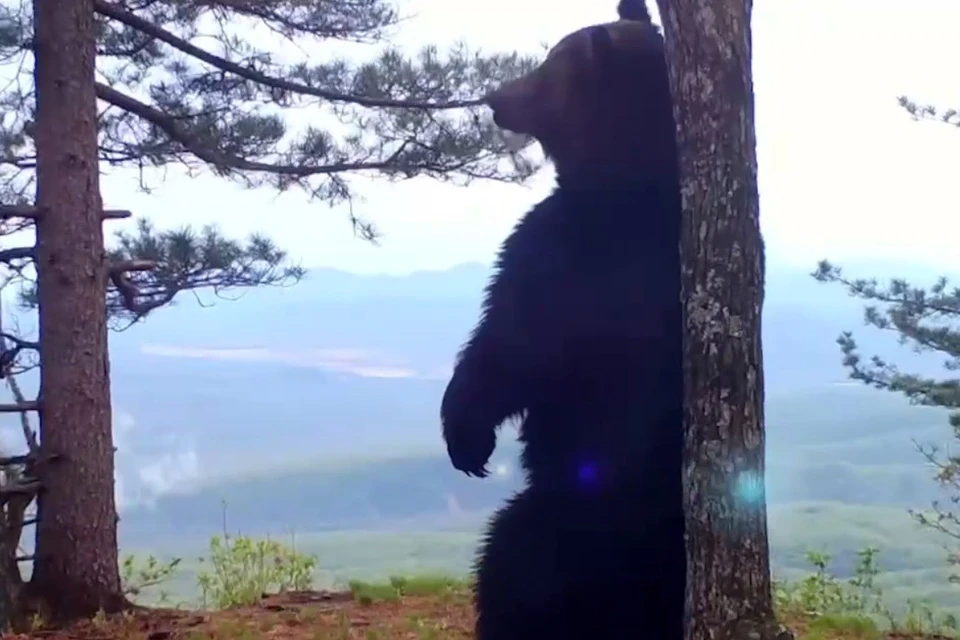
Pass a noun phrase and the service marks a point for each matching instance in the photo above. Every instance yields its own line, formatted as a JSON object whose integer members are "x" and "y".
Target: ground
{"x": 374, "y": 613}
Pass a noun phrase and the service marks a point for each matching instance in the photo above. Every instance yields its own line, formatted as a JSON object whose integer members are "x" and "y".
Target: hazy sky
{"x": 844, "y": 172}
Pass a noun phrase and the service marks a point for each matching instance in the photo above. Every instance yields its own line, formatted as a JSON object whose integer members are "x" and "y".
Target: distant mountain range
{"x": 345, "y": 365}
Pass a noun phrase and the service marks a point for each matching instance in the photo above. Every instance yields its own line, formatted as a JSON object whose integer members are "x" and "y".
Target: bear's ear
{"x": 601, "y": 43}
{"x": 633, "y": 10}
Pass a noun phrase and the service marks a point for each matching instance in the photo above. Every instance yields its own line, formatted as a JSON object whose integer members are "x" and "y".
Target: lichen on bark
{"x": 708, "y": 44}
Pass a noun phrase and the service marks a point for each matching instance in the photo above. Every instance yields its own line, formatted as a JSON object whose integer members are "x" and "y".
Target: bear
{"x": 580, "y": 339}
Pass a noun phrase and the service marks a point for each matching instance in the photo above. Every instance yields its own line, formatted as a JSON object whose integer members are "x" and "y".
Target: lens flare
{"x": 587, "y": 473}
{"x": 750, "y": 487}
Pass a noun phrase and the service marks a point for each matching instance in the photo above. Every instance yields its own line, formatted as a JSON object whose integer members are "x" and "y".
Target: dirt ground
{"x": 291, "y": 616}
{"x": 323, "y": 616}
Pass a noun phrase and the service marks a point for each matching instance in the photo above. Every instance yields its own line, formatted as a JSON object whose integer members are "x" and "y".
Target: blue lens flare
{"x": 587, "y": 473}
{"x": 749, "y": 487}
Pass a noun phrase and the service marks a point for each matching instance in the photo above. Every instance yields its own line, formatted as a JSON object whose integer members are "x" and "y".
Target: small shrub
{"x": 921, "y": 619}
{"x": 135, "y": 578}
{"x": 366, "y": 593}
{"x": 425, "y": 585}
{"x": 244, "y": 569}
{"x": 822, "y": 594}
{"x": 857, "y": 627}
{"x": 833, "y": 608}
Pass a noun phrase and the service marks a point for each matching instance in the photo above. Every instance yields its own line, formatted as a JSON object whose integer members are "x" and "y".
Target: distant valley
{"x": 314, "y": 408}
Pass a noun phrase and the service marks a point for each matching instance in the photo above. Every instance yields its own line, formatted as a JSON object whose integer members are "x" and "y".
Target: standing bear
{"x": 580, "y": 337}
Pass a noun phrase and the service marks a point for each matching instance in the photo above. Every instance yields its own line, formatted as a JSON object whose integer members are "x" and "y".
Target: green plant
{"x": 832, "y": 608}
{"x": 820, "y": 593}
{"x": 397, "y": 586}
{"x": 842, "y": 626}
{"x": 243, "y": 569}
{"x": 864, "y": 596}
{"x": 135, "y": 578}
{"x": 921, "y": 619}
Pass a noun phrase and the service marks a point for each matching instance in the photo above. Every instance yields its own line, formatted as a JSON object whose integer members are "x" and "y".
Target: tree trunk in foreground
{"x": 708, "y": 45}
{"x": 76, "y": 571}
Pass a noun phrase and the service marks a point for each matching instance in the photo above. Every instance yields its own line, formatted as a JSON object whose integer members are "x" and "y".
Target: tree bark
{"x": 708, "y": 47}
{"x": 76, "y": 570}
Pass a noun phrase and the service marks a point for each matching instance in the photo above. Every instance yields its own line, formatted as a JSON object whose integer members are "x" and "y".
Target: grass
{"x": 238, "y": 571}
{"x": 913, "y": 558}
{"x": 820, "y": 606}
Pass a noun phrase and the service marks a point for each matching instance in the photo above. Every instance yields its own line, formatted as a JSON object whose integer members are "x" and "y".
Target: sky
{"x": 843, "y": 171}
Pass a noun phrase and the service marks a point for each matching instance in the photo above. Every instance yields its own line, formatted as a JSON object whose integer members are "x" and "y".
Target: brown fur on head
{"x": 599, "y": 103}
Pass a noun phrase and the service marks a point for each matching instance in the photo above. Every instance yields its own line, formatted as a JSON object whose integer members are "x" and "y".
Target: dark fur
{"x": 581, "y": 336}
{"x": 591, "y": 345}
{"x": 633, "y": 10}
{"x": 578, "y": 335}
{"x": 567, "y": 569}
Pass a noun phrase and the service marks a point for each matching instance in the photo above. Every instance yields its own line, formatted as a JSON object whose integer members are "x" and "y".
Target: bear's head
{"x": 599, "y": 104}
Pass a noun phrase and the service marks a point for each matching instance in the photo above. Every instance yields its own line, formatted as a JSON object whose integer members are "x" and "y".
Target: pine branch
{"x": 115, "y": 12}
{"x": 17, "y": 253}
{"x": 916, "y": 315}
{"x": 19, "y": 407}
{"x": 929, "y": 112}
{"x": 8, "y": 357}
{"x": 29, "y": 434}
{"x": 353, "y": 20}
{"x": 32, "y": 213}
{"x": 30, "y": 488}
{"x": 20, "y": 343}
{"x": 130, "y": 294}
{"x": 173, "y": 128}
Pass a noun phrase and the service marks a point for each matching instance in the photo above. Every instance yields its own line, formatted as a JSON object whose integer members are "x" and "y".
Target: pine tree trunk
{"x": 708, "y": 45}
{"x": 76, "y": 571}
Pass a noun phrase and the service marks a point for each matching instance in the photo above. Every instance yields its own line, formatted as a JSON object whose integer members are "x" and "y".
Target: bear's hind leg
{"x": 518, "y": 585}
{"x": 565, "y": 568}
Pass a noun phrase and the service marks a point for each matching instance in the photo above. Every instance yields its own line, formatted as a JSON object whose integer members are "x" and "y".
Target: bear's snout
{"x": 512, "y": 104}
{"x": 497, "y": 103}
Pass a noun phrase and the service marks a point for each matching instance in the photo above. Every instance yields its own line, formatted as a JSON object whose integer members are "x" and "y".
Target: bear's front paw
{"x": 470, "y": 449}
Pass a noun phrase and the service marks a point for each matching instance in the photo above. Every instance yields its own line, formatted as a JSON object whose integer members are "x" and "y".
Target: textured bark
{"x": 708, "y": 45}
{"x": 76, "y": 570}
